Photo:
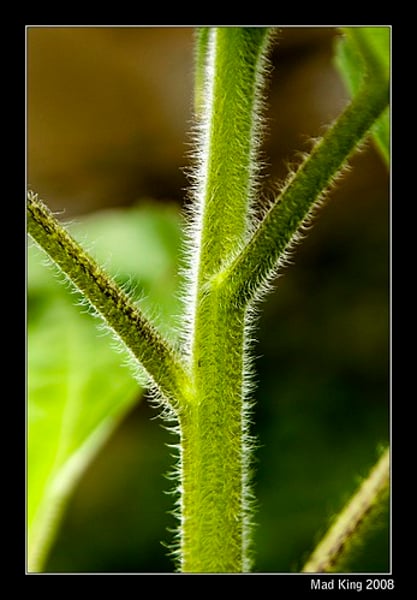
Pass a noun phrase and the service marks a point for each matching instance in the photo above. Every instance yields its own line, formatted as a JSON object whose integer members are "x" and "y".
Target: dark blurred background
{"x": 109, "y": 111}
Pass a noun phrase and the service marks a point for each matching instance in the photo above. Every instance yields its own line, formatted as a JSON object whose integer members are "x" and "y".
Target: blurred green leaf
{"x": 78, "y": 387}
{"x": 140, "y": 248}
{"x": 351, "y": 68}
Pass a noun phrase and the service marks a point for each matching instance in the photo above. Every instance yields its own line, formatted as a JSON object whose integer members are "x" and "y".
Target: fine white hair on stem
{"x": 198, "y": 173}
{"x": 195, "y": 206}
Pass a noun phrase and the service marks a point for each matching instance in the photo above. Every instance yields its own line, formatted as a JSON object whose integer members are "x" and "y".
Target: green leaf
{"x": 79, "y": 385}
{"x": 352, "y": 70}
{"x": 139, "y": 247}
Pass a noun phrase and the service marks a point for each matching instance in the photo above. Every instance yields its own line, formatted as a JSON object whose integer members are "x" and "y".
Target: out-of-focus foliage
{"x": 78, "y": 387}
{"x": 348, "y": 62}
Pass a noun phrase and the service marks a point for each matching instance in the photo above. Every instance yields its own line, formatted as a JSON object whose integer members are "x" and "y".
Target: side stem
{"x": 144, "y": 342}
{"x": 251, "y": 270}
{"x": 352, "y": 519}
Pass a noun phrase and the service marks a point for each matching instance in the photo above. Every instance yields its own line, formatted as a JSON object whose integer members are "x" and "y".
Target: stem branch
{"x": 350, "y": 522}
{"x": 258, "y": 261}
{"x": 112, "y": 304}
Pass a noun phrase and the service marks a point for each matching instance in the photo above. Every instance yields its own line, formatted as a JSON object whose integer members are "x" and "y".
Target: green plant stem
{"x": 214, "y": 506}
{"x": 232, "y": 264}
{"x": 258, "y": 261}
{"x": 116, "y": 309}
{"x": 351, "y": 521}
{"x": 234, "y": 62}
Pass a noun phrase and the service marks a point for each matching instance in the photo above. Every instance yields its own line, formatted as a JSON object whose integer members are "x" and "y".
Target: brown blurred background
{"x": 110, "y": 108}
{"x": 109, "y": 111}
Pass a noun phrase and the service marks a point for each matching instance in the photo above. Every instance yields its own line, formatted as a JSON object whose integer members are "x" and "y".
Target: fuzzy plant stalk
{"x": 358, "y": 515}
{"x": 233, "y": 254}
{"x": 215, "y": 442}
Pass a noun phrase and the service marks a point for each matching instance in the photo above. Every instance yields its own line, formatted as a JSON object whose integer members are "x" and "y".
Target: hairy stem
{"x": 350, "y": 523}
{"x": 230, "y": 263}
{"x": 215, "y": 446}
{"x": 116, "y": 309}
{"x": 233, "y": 66}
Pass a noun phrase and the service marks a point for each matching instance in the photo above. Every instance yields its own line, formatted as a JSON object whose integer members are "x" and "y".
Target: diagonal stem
{"x": 351, "y": 520}
{"x": 144, "y": 342}
{"x": 258, "y": 261}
